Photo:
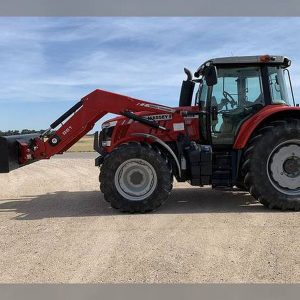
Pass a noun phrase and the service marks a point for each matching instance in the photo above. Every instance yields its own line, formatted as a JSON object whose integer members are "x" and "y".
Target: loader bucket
{"x": 9, "y": 151}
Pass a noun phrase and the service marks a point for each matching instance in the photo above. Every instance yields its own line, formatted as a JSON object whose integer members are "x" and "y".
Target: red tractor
{"x": 240, "y": 130}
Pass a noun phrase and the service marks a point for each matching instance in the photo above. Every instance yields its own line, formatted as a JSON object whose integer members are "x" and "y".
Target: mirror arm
{"x": 214, "y": 112}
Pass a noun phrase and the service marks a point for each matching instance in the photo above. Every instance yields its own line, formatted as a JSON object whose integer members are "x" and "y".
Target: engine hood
{"x": 149, "y": 115}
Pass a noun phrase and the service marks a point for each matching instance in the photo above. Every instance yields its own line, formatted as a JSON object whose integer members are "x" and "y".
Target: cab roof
{"x": 245, "y": 60}
{"x": 258, "y": 59}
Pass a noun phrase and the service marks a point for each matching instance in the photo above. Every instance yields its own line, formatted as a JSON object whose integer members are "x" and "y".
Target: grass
{"x": 85, "y": 144}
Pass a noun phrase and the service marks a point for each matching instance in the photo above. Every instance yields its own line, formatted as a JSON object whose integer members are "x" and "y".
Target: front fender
{"x": 164, "y": 145}
{"x": 268, "y": 113}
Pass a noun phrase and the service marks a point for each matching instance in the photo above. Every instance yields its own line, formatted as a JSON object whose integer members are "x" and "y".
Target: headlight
{"x": 109, "y": 124}
{"x": 106, "y": 143}
{"x": 107, "y": 131}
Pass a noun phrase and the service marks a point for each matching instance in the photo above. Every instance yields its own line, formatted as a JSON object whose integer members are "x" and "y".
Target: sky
{"x": 48, "y": 64}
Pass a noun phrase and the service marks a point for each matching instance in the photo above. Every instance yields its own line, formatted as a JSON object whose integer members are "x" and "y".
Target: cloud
{"x": 62, "y": 59}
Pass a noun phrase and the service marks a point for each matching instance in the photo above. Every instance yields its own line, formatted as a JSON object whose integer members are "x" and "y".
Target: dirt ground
{"x": 55, "y": 227}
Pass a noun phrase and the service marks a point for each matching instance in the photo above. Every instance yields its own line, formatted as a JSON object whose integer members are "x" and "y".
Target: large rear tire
{"x": 272, "y": 165}
{"x": 136, "y": 178}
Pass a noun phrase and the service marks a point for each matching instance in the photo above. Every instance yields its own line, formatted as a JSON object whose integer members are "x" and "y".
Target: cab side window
{"x": 237, "y": 89}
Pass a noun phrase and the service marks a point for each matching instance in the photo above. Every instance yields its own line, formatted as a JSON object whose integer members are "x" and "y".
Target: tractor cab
{"x": 232, "y": 89}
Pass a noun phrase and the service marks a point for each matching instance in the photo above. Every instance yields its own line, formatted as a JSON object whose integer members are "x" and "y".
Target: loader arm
{"x": 79, "y": 120}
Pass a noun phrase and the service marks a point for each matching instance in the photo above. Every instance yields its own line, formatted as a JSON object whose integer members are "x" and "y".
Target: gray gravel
{"x": 55, "y": 227}
{"x": 76, "y": 155}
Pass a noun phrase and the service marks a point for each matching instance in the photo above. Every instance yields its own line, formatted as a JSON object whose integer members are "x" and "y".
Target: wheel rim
{"x": 135, "y": 179}
{"x": 283, "y": 167}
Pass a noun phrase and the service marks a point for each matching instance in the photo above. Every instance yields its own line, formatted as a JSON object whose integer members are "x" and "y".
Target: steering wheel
{"x": 229, "y": 99}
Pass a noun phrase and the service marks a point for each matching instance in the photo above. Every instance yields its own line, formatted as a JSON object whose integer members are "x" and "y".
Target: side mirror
{"x": 211, "y": 75}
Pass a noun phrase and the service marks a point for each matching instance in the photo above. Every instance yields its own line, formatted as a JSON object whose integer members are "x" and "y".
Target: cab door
{"x": 236, "y": 96}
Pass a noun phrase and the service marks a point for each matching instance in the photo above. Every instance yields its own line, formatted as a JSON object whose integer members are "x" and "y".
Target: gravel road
{"x": 55, "y": 227}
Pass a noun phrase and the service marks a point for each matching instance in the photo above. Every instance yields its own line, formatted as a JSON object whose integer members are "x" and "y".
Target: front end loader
{"x": 242, "y": 129}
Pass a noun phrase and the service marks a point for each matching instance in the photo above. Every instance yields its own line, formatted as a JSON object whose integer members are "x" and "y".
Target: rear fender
{"x": 267, "y": 114}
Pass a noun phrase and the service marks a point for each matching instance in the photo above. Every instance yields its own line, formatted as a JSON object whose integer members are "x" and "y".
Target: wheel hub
{"x": 284, "y": 167}
{"x": 135, "y": 179}
{"x": 292, "y": 166}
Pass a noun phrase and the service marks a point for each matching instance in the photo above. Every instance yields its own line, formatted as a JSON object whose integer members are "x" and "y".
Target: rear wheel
{"x": 135, "y": 178}
{"x": 272, "y": 165}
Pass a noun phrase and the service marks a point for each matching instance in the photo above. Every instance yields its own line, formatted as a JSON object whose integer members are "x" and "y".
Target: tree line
{"x": 17, "y": 132}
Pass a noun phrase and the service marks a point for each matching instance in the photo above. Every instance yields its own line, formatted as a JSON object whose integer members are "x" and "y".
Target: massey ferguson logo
{"x": 159, "y": 117}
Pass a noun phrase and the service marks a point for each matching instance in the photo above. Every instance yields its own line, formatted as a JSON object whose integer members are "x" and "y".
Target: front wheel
{"x": 136, "y": 178}
{"x": 272, "y": 165}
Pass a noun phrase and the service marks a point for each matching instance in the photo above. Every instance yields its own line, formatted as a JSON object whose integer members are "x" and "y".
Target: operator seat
{"x": 233, "y": 118}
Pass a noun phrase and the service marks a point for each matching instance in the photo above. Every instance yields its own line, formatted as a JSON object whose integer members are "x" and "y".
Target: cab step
{"x": 222, "y": 170}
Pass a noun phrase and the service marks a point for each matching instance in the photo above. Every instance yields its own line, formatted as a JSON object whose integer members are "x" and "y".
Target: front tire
{"x": 136, "y": 178}
{"x": 272, "y": 165}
